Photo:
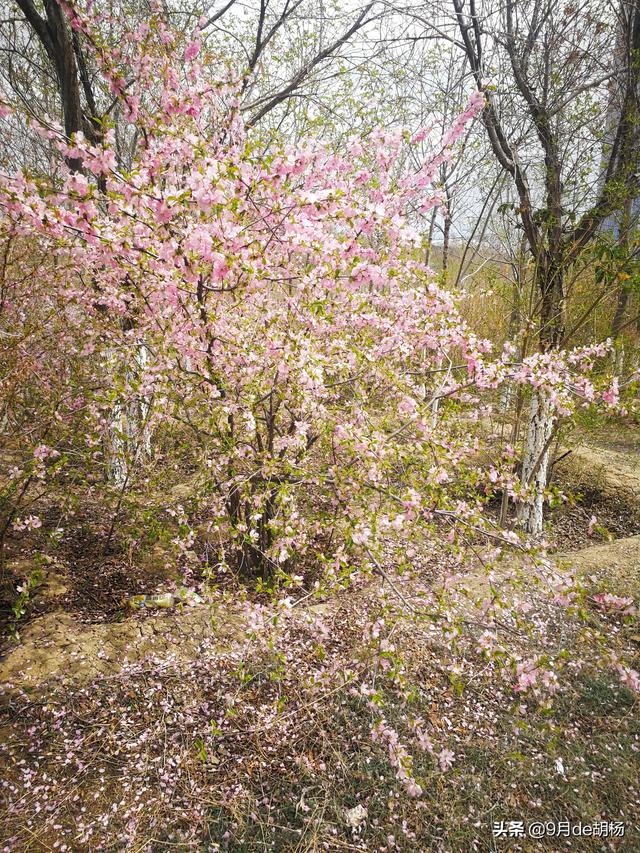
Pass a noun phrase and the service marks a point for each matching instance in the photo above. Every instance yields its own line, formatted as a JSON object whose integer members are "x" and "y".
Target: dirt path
{"x": 56, "y": 645}
{"x": 615, "y": 471}
{"x": 604, "y": 479}
{"x": 617, "y": 563}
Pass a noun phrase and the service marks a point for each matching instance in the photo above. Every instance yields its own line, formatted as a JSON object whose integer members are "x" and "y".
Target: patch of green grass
{"x": 576, "y": 761}
{"x": 599, "y": 696}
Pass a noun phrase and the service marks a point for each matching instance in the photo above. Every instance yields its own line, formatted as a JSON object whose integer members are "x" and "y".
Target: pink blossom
{"x": 445, "y": 759}
{"x": 192, "y": 50}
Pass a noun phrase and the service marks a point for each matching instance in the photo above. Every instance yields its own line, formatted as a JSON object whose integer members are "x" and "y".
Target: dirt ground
{"x": 601, "y": 476}
{"x": 57, "y": 646}
{"x": 79, "y": 626}
{"x": 103, "y": 692}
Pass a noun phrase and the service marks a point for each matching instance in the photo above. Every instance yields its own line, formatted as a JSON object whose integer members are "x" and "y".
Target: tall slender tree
{"x": 554, "y": 69}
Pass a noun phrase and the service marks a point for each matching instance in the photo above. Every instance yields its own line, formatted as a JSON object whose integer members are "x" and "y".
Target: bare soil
{"x": 602, "y": 482}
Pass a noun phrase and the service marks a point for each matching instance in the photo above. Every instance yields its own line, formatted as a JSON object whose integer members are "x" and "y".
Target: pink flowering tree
{"x": 274, "y": 307}
{"x": 271, "y": 311}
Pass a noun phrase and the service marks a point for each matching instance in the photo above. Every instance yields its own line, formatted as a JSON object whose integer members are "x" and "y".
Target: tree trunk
{"x": 623, "y": 293}
{"x": 118, "y": 445}
{"x": 505, "y": 397}
{"x": 514, "y": 322}
{"x": 65, "y": 53}
{"x": 619, "y": 354}
{"x": 618, "y": 317}
{"x": 535, "y": 462}
{"x": 445, "y": 242}
{"x": 535, "y": 459}
{"x": 129, "y": 431}
{"x": 142, "y": 411}
{"x": 550, "y": 285}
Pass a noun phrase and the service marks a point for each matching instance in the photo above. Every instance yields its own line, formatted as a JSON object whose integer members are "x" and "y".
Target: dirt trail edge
{"x": 57, "y": 646}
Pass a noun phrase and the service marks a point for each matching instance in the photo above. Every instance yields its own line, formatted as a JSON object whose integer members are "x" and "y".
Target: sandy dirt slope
{"x": 614, "y": 471}
{"x": 56, "y": 645}
{"x": 617, "y": 563}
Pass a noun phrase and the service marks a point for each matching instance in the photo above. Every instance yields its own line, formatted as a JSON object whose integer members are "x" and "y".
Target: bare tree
{"x": 66, "y": 54}
{"x": 555, "y": 69}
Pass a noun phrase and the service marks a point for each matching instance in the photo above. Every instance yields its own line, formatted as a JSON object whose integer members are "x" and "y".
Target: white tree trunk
{"x": 130, "y": 433}
{"x": 535, "y": 462}
{"x": 505, "y": 396}
{"x": 118, "y": 465}
{"x": 143, "y": 441}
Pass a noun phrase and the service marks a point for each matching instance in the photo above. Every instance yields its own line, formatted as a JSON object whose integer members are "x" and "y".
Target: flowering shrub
{"x": 277, "y": 307}
{"x": 279, "y": 303}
